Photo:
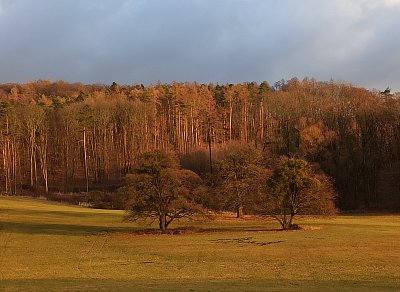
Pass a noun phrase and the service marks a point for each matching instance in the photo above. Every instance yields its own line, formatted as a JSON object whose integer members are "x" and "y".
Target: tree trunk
{"x": 291, "y": 220}
{"x": 162, "y": 222}
{"x": 239, "y": 211}
{"x": 209, "y": 145}
{"x": 85, "y": 160}
{"x": 239, "y": 203}
{"x": 32, "y": 157}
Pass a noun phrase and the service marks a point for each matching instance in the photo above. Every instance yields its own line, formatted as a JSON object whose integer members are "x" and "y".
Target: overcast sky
{"x": 224, "y": 41}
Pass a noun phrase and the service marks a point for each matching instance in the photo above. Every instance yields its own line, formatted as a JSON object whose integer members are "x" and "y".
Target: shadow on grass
{"x": 27, "y": 227}
{"x": 58, "y": 229}
{"x": 198, "y": 230}
{"x": 77, "y": 230}
{"x": 57, "y": 213}
{"x": 196, "y": 285}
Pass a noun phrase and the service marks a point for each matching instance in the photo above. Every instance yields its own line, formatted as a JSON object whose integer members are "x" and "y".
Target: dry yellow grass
{"x": 49, "y": 246}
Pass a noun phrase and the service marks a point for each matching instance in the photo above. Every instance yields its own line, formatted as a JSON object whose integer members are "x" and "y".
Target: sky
{"x": 219, "y": 41}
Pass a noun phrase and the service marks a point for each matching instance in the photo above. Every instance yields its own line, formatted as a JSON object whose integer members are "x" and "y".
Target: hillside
{"x": 60, "y": 137}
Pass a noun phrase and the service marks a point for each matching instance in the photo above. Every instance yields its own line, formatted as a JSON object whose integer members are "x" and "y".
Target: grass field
{"x": 55, "y": 247}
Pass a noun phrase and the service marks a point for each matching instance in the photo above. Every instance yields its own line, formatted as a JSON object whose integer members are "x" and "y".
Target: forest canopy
{"x": 57, "y": 137}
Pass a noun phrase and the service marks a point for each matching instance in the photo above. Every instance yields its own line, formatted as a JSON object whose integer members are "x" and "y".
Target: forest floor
{"x": 56, "y": 247}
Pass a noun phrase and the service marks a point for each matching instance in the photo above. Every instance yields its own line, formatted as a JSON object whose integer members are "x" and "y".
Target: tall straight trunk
{"x": 41, "y": 148}
{"x": 261, "y": 122}
{"x": 14, "y": 165}
{"x": 32, "y": 157}
{"x": 85, "y": 159}
{"x": 9, "y": 165}
{"x": 193, "y": 143}
{"x": 245, "y": 123}
{"x": 5, "y": 166}
{"x": 209, "y": 145}
{"x": 43, "y": 162}
{"x": 46, "y": 178}
{"x": 35, "y": 169}
{"x": 155, "y": 145}
{"x": 6, "y": 159}
{"x": 126, "y": 159}
{"x": 230, "y": 120}
{"x": 146, "y": 131}
{"x": 66, "y": 160}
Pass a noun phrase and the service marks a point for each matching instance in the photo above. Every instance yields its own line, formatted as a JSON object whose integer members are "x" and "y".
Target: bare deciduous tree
{"x": 295, "y": 188}
{"x": 160, "y": 190}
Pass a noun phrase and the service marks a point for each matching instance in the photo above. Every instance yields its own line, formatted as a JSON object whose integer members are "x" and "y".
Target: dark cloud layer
{"x": 142, "y": 41}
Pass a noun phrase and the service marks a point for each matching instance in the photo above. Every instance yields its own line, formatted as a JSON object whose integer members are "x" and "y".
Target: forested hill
{"x": 60, "y": 137}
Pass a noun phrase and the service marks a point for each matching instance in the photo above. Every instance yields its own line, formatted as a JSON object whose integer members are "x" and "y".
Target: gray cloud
{"x": 142, "y": 41}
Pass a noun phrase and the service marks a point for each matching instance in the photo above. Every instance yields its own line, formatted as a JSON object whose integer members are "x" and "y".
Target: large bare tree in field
{"x": 295, "y": 188}
{"x": 160, "y": 190}
{"x": 242, "y": 176}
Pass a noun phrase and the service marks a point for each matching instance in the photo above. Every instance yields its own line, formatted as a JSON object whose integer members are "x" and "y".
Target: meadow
{"x": 56, "y": 247}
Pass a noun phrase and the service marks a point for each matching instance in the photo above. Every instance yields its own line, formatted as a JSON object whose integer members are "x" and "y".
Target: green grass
{"x": 54, "y": 247}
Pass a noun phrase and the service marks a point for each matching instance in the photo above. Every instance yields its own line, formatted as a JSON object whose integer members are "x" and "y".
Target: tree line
{"x": 57, "y": 137}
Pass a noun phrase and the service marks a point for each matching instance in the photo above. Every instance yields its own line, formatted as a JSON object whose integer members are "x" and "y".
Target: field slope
{"x": 55, "y": 247}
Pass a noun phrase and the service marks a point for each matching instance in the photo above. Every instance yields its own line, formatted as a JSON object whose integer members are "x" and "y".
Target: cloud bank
{"x": 143, "y": 41}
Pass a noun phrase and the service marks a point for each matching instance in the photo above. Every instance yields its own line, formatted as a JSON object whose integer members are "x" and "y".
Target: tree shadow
{"x": 53, "y": 213}
{"x": 248, "y": 285}
{"x": 58, "y": 229}
{"x": 198, "y": 230}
